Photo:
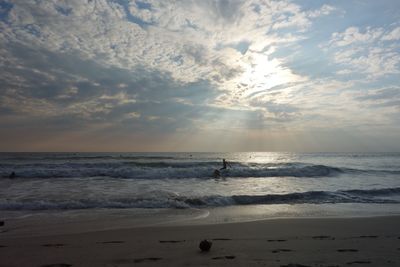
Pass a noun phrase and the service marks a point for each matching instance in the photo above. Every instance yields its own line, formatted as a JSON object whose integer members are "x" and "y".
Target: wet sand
{"x": 324, "y": 242}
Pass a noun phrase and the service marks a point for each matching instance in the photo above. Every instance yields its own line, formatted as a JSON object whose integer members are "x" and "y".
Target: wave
{"x": 162, "y": 170}
{"x": 171, "y": 200}
{"x": 78, "y": 157}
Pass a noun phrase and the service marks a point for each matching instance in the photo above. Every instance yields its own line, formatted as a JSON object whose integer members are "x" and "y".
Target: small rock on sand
{"x": 205, "y": 245}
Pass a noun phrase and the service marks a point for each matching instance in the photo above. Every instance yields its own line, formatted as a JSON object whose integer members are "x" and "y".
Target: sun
{"x": 261, "y": 73}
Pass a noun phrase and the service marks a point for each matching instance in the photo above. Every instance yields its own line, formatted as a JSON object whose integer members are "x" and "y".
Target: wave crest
{"x": 161, "y": 170}
{"x": 171, "y": 200}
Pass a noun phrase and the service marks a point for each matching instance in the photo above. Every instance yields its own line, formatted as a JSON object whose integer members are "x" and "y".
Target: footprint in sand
{"x": 347, "y": 250}
{"x": 358, "y": 262}
{"x": 171, "y": 241}
{"x": 1, "y": 246}
{"x": 139, "y": 260}
{"x": 224, "y": 257}
{"x": 295, "y": 265}
{"x": 221, "y": 239}
{"x": 368, "y": 236}
{"x": 111, "y": 242}
{"x": 323, "y": 237}
{"x": 57, "y": 265}
{"x": 53, "y": 245}
{"x": 281, "y": 250}
{"x": 146, "y": 259}
{"x": 277, "y": 240}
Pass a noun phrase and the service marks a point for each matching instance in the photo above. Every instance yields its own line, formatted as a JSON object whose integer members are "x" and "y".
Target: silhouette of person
{"x": 225, "y": 163}
{"x": 216, "y": 174}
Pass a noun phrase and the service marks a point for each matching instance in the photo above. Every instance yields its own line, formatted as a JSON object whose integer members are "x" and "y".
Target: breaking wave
{"x": 170, "y": 200}
{"x": 162, "y": 170}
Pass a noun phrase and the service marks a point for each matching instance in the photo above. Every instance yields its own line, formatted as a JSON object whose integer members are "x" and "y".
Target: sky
{"x": 200, "y": 75}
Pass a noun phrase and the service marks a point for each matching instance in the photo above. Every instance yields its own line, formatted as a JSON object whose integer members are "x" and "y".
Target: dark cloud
{"x": 228, "y": 9}
{"x": 99, "y": 94}
{"x": 5, "y": 7}
{"x": 197, "y": 52}
{"x": 63, "y": 10}
{"x": 387, "y": 93}
{"x": 387, "y": 97}
{"x": 131, "y": 17}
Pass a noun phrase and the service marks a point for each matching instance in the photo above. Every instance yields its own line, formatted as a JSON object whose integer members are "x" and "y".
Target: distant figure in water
{"x": 225, "y": 163}
{"x": 217, "y": 174}
{"x": 12, "y": 175}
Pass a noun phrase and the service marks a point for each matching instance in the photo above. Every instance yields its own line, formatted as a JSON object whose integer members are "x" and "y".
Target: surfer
{"x": 216, "y": 174}
{"x": 225, "y": 163}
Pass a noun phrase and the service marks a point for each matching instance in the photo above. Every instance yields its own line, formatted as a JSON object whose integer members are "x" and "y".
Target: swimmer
{"x": 225, "y": 164}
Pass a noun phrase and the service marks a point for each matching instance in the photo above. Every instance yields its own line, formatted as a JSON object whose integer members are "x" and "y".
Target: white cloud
{"x": 231, "y": 47}
{"x": 120, "y": 98}
{"x": 353, "y": 35}
{"x": 323, "y": 11}
{"x": 393, "y": 35}
{"x": 176, "y": 32}
{"x": 69, "y": 92}
{"x": 191, "y": 40}
{"x": 365, "y": 51}
{"x": 132, "y": 115}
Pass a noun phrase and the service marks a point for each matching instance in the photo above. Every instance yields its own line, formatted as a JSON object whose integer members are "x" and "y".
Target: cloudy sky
{"x": 199, "y": 75}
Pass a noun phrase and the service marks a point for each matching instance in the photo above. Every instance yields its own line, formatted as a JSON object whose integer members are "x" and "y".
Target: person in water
{"x": 225, "y": 164}
{"x": 216, "y": 174}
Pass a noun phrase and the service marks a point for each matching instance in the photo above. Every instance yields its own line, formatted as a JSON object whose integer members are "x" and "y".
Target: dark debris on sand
{"x": 205, "y": 245}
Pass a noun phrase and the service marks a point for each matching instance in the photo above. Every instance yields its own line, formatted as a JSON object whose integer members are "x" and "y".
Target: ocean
{"x": 272, "y": 184}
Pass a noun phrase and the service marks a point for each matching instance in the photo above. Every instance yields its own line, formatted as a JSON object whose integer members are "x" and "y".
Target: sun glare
{"x": 262, "y": 74}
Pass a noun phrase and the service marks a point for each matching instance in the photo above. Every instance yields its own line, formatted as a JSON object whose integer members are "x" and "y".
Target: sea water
{"x": 259, "y": 184}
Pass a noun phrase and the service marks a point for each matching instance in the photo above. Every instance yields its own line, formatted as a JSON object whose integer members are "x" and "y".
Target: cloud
{"x": 177, "y": 37}
{"x": 365, "y": 51}
{"x": 178, "y": 34}
{"x": 388, "y": 97}
{"x": 169, "y": 68}
{"x": 100, "y": 95}
{"x": 393, "y": 35}
{"x": 323, "y": 11}
{"x": 353, "y": 35}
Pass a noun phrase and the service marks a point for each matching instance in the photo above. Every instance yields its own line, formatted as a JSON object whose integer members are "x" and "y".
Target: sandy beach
{"x": 373, "y": 241}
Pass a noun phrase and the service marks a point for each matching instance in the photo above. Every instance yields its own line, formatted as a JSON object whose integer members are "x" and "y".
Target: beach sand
{"x": 325, "y": 242}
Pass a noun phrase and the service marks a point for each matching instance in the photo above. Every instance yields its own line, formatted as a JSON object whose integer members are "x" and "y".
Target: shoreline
{"x": 54, "y": 222}
{"x": 363, "y": 241}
